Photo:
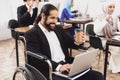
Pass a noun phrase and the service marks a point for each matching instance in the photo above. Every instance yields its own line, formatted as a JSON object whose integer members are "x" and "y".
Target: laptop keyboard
{"x": 65, "y": 72}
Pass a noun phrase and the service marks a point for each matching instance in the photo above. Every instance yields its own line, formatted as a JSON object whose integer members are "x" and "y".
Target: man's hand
{"x": 65, "y": 67}
{"x": 80, "y": 37}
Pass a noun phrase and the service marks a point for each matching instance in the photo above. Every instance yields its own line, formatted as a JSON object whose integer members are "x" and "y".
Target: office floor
{"x": 8, "y": 61}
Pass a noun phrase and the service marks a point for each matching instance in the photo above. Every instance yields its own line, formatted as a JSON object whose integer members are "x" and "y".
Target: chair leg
{"x": 12, "y": 51}
{"x": 109, "y": 54}
{"x": 99, "y": 56}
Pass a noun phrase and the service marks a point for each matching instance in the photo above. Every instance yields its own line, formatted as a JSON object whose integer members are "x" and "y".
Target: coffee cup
{"x": 78, "y": 35}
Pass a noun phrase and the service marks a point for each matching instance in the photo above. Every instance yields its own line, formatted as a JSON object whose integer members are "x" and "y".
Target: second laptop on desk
{"x": 81, "y": 64}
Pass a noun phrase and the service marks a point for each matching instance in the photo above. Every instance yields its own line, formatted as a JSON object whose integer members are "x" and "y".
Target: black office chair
{"x": 12, "y": 24}
{"x": 90, "y": 30}
{"x": 95, "y": 40}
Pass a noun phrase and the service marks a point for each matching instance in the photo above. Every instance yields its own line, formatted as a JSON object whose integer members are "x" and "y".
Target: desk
{"x": 79, "y": 21}
{"x": 22, "y": 29}
{"x": 19, "y": 30}
{"x": 110, "y": 42}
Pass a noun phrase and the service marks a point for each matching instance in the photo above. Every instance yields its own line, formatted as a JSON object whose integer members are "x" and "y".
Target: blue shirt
{"x": 66, "y": 15}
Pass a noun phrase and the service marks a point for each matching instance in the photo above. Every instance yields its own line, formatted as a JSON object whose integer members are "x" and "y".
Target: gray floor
{"x": 8, "y": 61}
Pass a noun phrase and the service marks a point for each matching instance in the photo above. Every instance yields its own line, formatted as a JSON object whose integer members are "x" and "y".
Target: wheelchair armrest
{"x": 40, "y": 56}
{"x": 22, "y": 38}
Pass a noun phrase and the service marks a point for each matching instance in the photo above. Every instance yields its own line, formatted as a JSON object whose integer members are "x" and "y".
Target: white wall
{"x": 5, "y": 15}
{"x": 81, "y": 5}
{"x": 14, "y": 4}
{"x": 8, "y": 10}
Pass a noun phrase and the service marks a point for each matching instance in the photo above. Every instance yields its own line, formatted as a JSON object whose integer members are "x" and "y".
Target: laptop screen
{"x": 83, "y": 61}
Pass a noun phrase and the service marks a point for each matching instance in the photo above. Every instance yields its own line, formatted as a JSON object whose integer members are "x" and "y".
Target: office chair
{"x": 90, "y": 30}
{"x": 95, "y": 40}
{"x": 12, "y": 24}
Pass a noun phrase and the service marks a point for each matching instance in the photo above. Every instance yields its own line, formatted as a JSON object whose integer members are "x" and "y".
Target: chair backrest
{"x": 13, "y": 24}
{"x": 90, "y": 29}
{"x": 96, "y": 42}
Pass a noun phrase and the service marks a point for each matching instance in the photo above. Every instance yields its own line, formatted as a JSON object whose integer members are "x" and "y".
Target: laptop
{"x": 81, "y": 64}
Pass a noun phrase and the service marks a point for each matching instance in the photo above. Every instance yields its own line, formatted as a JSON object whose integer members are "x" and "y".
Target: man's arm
{"x": 69, "y": 40}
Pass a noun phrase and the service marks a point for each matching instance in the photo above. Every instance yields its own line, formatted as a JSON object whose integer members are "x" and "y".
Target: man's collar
{"x": 42, "y": 27}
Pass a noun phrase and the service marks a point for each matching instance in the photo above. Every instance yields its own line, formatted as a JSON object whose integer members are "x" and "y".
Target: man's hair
{"x": 46, "y": 10}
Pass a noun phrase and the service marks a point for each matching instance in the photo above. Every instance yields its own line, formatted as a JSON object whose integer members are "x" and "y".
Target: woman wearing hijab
{"x": 66, "y": 14}
{"x": 106, "y": 24}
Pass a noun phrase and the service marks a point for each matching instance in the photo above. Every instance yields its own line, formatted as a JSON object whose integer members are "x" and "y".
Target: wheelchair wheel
{"x": 22, "y": 73}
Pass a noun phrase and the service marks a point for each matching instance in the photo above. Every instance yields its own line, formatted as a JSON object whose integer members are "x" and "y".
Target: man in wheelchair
{"x": 53, "y": 41}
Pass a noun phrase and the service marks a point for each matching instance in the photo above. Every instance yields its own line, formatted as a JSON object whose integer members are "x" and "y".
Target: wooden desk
{"x": 22, "y": 29}
{"x": 79, "y": 21}
{"x": 19, "y": 30}
{"x": 110, "y": 42}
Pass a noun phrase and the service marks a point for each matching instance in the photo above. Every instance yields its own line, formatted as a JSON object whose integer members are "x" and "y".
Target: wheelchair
{"x": 29, "y": 72}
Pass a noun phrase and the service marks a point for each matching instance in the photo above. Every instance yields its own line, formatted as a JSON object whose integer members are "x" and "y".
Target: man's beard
{"x": 48, "y": 25}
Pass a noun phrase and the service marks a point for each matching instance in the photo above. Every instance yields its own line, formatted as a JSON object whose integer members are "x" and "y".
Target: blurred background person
{"x": 106, "y": 24}
{"x": 66, "y": 14}
{"x": 27, "y": 13}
